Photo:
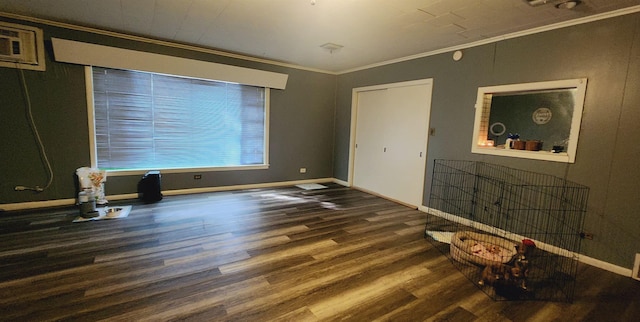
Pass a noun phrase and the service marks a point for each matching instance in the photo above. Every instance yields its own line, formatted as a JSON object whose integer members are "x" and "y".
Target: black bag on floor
{"x": 149, "y": 187}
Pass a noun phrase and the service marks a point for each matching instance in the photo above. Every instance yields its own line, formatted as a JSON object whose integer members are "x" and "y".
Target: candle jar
{"x": 533, "y": 145}
{"x": 518, "y": 145}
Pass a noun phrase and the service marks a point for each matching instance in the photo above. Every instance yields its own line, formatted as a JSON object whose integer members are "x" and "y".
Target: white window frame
{"x": 479, "y": 141}
{"x": 93, "y": 144}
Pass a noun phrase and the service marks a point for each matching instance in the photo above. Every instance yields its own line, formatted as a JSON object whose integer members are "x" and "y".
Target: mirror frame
{"x": 480, "y": 143}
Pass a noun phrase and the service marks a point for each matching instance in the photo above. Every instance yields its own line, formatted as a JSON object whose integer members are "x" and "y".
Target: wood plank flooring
{"x": 282, "y": 254}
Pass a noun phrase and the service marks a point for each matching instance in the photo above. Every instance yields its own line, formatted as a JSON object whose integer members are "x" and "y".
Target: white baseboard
{"x": 636, "y": 268}
{"x": 546, "y": 247}
{"x": 70, "y": 202}
{"x": 342, "y": 183}
{"x": 606, "y": 266}
{"x": 37, "y": 204}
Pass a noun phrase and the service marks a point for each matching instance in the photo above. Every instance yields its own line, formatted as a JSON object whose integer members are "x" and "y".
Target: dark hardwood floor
{"x": 263, "y": 254}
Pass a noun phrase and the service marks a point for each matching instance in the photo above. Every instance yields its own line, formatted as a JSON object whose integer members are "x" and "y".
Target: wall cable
{"x": 34, "y": 128}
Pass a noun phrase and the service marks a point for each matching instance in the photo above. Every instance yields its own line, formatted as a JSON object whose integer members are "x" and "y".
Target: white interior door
{"x": 370, "y": 143}
{"x": 391, "y": 140}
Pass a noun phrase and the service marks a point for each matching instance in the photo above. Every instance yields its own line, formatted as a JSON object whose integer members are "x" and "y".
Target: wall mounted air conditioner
{"x": 21, "y": 47}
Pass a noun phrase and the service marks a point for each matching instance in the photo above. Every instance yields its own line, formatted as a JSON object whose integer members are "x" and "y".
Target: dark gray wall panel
{"x": 301, "y": 126}
{"x": 620, "y": 215}
{"x": 606, "y": 52}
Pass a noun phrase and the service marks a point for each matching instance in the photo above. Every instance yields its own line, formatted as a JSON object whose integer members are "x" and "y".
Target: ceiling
{"x": 292, "y": 31}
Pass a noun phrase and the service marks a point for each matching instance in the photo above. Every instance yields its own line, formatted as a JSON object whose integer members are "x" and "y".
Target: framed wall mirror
{"x": 531, "y": 120}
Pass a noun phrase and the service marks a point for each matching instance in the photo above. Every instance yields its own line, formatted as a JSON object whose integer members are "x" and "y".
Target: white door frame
{"x": 354, "y": 118}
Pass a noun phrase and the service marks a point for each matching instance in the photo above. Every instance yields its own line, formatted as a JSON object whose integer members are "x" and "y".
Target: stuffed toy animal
{"x": 525, "y": 248}
{"x": 513, "y": 274}
{"x": 520, "y": 272}
{"x": 520, "y": 263}
{"x": 492, "y": 274}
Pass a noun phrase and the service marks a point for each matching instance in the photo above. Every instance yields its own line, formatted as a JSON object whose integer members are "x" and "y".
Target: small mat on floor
{"x": 441, "y": 236}
{"x": 311, "y": 186}
{"x": 117, "y": 212}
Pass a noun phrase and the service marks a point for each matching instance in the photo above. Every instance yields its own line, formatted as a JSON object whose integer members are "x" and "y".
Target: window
{"x": 148, "y": 121}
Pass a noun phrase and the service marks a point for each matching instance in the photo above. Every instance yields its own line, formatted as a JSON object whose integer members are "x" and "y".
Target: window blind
{"x": 154, "y": 121}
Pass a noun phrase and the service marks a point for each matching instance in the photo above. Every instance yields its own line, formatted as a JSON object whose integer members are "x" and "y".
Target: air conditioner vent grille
{"x": 21, "y": 47}
{"x": 8, "y": 33}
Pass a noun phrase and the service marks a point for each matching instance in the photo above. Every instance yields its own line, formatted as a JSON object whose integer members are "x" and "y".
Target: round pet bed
{"x": 480, "y": 249}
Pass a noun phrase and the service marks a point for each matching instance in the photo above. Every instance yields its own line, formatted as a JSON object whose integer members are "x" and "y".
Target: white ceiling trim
{"x": 569, "y": 23}
{"x": 75, "y": 52}
{"x": 611, "y": 14}
{"x": 157, "y": 42}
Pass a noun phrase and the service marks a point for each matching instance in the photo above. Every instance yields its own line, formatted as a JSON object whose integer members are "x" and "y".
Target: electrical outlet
{"x": 197, "y": 176}
{"x": 303, "y": 170}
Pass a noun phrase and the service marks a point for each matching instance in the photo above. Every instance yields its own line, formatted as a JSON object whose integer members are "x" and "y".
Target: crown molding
{"x": 158, "y": 42}
{"x": 559, "y": 25}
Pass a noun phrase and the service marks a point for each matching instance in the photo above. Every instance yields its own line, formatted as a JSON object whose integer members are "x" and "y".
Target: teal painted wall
{"x": 515, "y": 112}
{"x": 607, "y": 52}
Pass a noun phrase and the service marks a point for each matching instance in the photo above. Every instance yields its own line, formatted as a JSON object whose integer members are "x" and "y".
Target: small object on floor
{"x": 493, "y": 273}
{"x": 149, "y": 187}
{"x": 90, "y": 214}
{"x": 441, "y": 236}
{"x": 113, "y": 212}
{"x": 311, "y": 186}
{"x": 107, "y": 213}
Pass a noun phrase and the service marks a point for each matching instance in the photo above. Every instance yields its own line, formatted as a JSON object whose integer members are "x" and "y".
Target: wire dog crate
{"x": 513, "y": 233}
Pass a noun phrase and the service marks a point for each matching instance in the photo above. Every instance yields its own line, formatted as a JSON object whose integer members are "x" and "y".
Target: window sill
{"x": 536, "y": 155}
{"x": 123, "y": 172}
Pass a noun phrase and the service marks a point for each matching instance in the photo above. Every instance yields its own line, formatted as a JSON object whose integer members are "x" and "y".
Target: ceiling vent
{"x": 331, "y": 47}
{"x": 560, "y": 4}
{"x": 21, "y": 47}
{"x": 535, "y": 3}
